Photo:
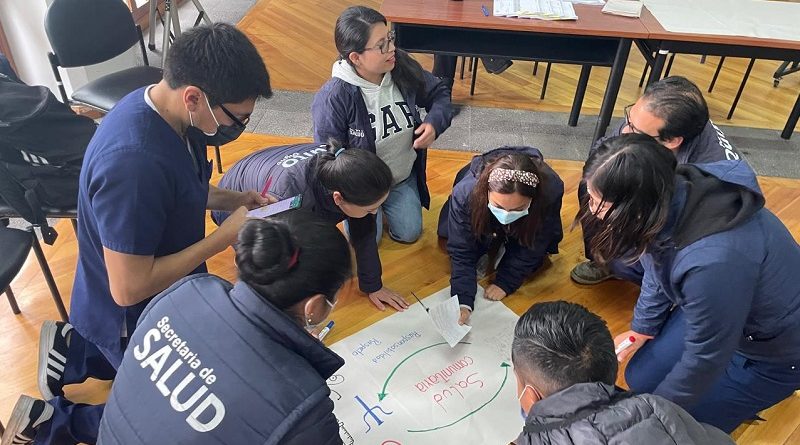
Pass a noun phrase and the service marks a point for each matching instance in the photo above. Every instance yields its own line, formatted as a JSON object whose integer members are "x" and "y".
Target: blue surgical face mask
{"x": 507, "y": 217}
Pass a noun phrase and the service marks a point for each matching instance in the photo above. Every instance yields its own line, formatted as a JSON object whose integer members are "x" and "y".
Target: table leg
{"x": 658, "y": 66}
{"x": 792, "y": 121}
{"x": 612, "y": 89}
{"x": 577, "y": 102}
{"x": 151, "y": 41}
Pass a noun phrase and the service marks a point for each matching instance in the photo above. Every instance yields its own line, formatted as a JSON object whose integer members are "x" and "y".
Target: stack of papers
{"x": 535, "y": 9}
{"x": 625, "y": 8}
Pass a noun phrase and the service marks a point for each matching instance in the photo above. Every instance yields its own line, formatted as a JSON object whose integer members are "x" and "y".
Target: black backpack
{"x": 42, "y": 143}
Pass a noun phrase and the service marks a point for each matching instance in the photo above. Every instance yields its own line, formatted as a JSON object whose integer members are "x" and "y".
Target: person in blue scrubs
{"x": 143, "y": 195}
{"x": 716, "y": 320}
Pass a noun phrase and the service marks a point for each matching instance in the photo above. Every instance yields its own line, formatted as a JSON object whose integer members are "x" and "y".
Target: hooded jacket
{"x": 593, "y": 413}
{"x": 291, "y": 168}
{"x": 465, "y": 248}
{"x": 339, "y": 112}
{"x": 711, "y": 145}
{"x": 213, "y": 363}
{"x": 732, "y": 267}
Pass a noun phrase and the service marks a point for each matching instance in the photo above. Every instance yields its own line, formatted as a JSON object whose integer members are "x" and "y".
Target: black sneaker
{"x": 53, "y": 345}
{"x": 28, "y": 415}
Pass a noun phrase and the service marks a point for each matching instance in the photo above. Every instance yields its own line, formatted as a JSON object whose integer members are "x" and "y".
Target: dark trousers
{"x": 623, "y": 270}
{"x": 74, "y": 423}
{"x": 744, "y": 389}
{"x": 444, "y": 66}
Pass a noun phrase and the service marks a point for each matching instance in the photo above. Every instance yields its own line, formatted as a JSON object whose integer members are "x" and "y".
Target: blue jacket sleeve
{"x": 463, "y": 248}
{"x": 329, "y": 115}
{"x": 519, "y": 262}
{"x": 436, "y": 103}
{"x": 716, "y": 302}
{"x": 362, "y": 237}
{"x": 653, "y": 305}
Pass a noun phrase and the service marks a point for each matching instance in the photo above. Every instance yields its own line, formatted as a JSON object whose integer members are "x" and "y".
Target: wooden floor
{"x": 295, "y": 37}
{"x": 422, "y": 267}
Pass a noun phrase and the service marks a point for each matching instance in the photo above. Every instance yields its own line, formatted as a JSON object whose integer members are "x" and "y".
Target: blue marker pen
{"x": 485, "y": 11}
{"x": 325, "y": 330}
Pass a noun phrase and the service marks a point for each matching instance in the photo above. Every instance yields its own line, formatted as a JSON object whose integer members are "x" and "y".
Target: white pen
{"x": 325, "y": 330}
{"x": 625, "y": 344}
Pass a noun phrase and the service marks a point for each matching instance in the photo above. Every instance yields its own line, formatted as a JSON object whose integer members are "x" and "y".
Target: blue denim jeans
{"x": 403, "y": 210}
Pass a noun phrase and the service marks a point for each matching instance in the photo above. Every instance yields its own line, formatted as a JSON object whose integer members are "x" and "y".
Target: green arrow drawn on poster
{"x": 505, "y": 378}
{"x": 382, "y": 395}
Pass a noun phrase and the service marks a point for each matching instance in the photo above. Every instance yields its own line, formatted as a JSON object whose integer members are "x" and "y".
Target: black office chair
{"x": 16, "y": 245}
{"x": 33, "y": 242}
{"x": 87, "y": 32}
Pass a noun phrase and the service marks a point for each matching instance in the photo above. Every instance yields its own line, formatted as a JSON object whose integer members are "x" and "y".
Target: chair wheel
{"x": 152, "y": 46}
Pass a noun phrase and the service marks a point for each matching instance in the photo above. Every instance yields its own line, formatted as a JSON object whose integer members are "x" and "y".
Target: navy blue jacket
{"x": 291, "y": 168}
{"x": 212, "y": 363}
{"x": 711, "y": 145}
{"x": 465, "y": 248}
{"x": 339, "y": 112}
{"x": 739, "y": 287}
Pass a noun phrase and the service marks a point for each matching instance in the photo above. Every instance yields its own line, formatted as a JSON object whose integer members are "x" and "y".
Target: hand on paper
{"x": 425, "y": 136}
{"x": 387, "y": 296}
{"x": 641, "y": 339}
{"x": 464, "y": 318}
{"x": 494, "y": 293}
{"x": 253, "y": 200}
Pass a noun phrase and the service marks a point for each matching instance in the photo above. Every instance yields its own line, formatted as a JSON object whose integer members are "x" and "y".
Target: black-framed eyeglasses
{"x": 241, "y": 123}
{"x": 627, "y": 111}
{"x": 384, "y": 46}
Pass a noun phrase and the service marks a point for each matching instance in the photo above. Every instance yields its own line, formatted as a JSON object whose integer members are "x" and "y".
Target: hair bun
{"x": 264, "y": 250}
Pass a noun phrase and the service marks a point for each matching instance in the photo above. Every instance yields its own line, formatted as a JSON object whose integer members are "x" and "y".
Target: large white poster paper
{"x": 402, "y": 384}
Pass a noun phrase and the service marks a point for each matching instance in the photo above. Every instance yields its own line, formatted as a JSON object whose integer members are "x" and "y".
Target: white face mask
{"x": 191, "y": 121}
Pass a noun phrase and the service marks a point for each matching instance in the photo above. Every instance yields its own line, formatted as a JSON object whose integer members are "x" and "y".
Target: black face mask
{"x": 225, "y": 134}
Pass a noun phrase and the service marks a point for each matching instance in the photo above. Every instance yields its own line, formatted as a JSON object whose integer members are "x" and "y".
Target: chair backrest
{"x": 85, "y": 32}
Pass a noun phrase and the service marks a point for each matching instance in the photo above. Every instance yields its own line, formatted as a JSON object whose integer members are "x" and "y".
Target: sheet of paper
{"x": 445, "y": 317}
{"x": 403, "y": 385}
{"x": 535, "y": 9}
{"x": 625, "y": 8}
{"x": 750, "y": 18}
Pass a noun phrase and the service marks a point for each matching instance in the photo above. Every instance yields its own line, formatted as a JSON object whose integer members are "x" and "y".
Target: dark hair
{"x": 680, "y": 104}
{"x": 525, "y": 228}
{"x": 558, "y": 344}
{"x": 359, "y": 175}
{"x": 220, "y": 60}
{"x": 292, "y": 256}
{"x": 353, "y": 28}
{"x": 636, "y": 175}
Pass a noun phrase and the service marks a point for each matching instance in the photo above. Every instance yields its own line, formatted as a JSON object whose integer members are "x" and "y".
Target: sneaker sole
{"x": 580, "y": 280}
{"x": 46, "y": 336}
{"x": 19, "y": 418}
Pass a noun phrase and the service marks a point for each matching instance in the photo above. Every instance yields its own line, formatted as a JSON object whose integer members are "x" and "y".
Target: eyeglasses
{"x": 384, "y": 46}
{"x": 241, "y": 123}
{"x": 627, "y": 111}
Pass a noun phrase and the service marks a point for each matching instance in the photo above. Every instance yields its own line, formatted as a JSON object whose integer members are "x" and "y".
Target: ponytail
{"x": 359, "y": 175}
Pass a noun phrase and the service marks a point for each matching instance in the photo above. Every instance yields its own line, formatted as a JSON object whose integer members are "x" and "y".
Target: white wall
{"x": 23, "y": 22}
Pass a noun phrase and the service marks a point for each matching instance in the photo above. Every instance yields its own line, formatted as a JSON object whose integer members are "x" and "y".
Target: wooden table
{"x": 460, "y": 28}
{"x": 661, "y": 42}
